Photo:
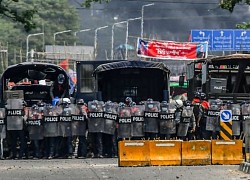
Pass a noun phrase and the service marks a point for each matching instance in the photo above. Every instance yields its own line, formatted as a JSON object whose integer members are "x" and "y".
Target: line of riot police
{"x": 94, "y": 129}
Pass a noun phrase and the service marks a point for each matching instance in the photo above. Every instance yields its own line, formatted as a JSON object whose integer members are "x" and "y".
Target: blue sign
{"x": 202, "y": 36}
{"x": 225, "y": 115}
{"x": 223, "y": 39}
{"x": 242, "y": 40}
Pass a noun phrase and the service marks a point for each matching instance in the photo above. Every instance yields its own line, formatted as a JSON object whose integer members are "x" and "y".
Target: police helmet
{"x": 41, "y": 104}
{"x": 178, "y": 103}
{"x": 187, "y": 103}
{"x": 121, "y": 105}
{"x": 219, "y": 101}
{"x": 197, "y": 94}
{"x": 80, "y": 102}
{"x": 66, "y": 101}
{"x": 203, "y": 96}
{"x": 149, "y": 100}
{"x": 133, "y": 104}
{"x": 60, "y": 78}
{"x": 34, "y": 107}
{"x": 164, "y": 102}
{"x": 128, "y": 100}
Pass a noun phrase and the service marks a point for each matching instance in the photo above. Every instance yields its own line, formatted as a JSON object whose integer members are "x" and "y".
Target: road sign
{"x": 241, "y": 40}
{"x": 223, "y": 40}
{"x": 225, "y": 115}
{"x": 202, "y": 36}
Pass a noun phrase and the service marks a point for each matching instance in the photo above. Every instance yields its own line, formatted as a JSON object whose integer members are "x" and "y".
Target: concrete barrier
{"x": 227, "y": 152}
{"x": 196, "y": 152}
{"x": 165, "y": 152}
{"x": 133, "y": 153}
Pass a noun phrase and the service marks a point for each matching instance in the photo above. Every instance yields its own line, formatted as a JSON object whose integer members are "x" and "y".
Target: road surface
{"x": 74, "y": 169}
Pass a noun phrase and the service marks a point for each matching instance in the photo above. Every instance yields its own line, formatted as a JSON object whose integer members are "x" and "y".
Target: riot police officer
{"x": 109, "y": 134}
{"x": 201, "y": 123}
{"x": 35, "y": 128}
{"x": 128, "y": 101}
{"x": 16, "y": 126}
{"x": 151, "y": 115}
{"x": 196, "y": 104}
{"x": 64, "y": 127}
{"x": 79, "y": 125}
{"x": 96, "y": 126}
{"x": 167, "y": 120}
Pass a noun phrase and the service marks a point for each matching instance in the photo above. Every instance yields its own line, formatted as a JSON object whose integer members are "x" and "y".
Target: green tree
{"x": 51, "y": 16}
{"x": 229, "y": 5}
{"x": 8, "y": 10}
{"x": 87, "y": 3}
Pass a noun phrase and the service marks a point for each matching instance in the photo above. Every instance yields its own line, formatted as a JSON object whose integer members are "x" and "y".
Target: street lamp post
{"x": 27, "y": 44}
{"x": 56, "y": 33}
{"x": 60, "y": 32}
{"x": 95, "y": 43}
{"x": 112, "y": 36}
{"x": 142, "y": 14}
{"x": 83, "y": 30}
{"x": 126, "y": 44}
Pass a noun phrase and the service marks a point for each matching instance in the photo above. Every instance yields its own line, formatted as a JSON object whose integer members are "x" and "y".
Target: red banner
{"x": 171, "y": 49}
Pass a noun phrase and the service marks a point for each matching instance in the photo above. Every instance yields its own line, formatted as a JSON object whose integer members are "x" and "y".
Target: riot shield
{"x": 2, "y": 124}
{"x": 110, "y": 118}
{"x": 34, "y": 123}
{"x": 51, "y": 119}
{"x": 95, "y": 120}
{"x": 79, "y": 118}
{"x": 167, "y": 119}
{"x": 14, "y": 114}
{"x": 236, "y": 119}
{"x": 245, "y": 112}
{"x": 65, "y": 118}
{"x": 186, "y": 114}
{"x": 151, "y": 115}
{"x": 124, "y": 122}
{"x": 213, "y": 113}
{"x": 137, "y": 128}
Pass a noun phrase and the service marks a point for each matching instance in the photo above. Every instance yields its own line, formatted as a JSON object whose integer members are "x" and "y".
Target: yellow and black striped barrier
{"x": 226, "y": 122}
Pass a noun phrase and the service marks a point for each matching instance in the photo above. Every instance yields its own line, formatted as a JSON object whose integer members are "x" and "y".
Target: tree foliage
{"x": 51, "y": 16}
{"x": 8, "y": 10}
{"x": 87, "y": 3}
{"x": 230, "y": 4}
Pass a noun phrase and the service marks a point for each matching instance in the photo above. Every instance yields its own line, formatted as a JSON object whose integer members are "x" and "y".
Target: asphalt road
{"x": 74, "y": 169}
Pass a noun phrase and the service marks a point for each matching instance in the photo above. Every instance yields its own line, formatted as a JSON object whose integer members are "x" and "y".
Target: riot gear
{"x": 64, "y": 127}
{"x": 124, "y": 122}
{"x": 203, "y": 96}
{"x": 110, "y": 121}
{"x": 79, "y": 122}
{"x": 212, "y": 118}
{"x": 137, "y": 129}
{"x": 151, "y": 115}
{"x": 187, "y": 121}
{"x": 15, "y": 125}
{"x": 35, "y": 128}
{"x": 51, "y": 133}
{"x": 96, "y": 125}
{"x": 128, "y": 101}
{"x": 167, "y": 120}
{"x": 2, "y": 130}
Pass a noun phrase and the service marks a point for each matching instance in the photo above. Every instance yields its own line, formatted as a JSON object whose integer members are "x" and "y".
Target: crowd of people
{"x": 81, "y": 130}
